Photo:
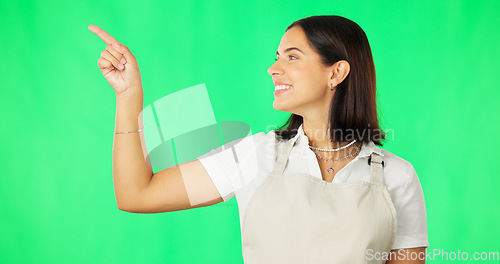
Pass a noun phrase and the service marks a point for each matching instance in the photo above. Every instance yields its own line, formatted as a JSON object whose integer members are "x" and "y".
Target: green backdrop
{"x": 437, "y": 73}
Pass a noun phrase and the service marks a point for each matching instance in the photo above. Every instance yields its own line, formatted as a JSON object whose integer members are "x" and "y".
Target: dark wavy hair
{"x": 353, "y": 110}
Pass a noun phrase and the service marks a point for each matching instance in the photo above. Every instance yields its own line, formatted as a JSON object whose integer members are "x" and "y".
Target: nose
{"x": 275, "y": 69}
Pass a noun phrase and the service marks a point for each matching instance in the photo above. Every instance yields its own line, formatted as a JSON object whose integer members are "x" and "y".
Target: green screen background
{"x": 437, "y": 73}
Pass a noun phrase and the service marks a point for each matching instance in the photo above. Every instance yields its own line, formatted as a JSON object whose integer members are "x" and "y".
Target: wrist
{"x": 132, "y": 93}
{"x": 130, "y": 99}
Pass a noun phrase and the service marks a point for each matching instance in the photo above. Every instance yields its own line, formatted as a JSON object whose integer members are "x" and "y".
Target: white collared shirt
{"x": 240, "y": 166}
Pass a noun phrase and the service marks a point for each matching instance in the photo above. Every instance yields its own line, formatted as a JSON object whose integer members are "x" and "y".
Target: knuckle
{"x": 109, "y": 49}
{"x": 125, "y": 49}
{"x": 103, "y": 61}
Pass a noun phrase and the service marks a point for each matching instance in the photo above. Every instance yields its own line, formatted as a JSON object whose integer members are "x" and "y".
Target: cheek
{"x": 308, "y": 81}
{"x": 304, "y": 72}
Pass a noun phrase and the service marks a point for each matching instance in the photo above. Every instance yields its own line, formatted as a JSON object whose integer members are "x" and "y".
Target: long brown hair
{"x": 353, "y": 110}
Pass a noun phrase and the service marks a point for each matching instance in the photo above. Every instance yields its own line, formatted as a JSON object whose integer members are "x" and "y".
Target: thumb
{"x": 125, "y": 51}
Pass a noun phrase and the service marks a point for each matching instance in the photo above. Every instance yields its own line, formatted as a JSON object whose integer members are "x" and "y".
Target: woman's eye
{"x": 290, "y": 56}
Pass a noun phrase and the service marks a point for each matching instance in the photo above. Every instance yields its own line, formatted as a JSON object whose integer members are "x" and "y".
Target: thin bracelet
{"x": 128, "y": 132}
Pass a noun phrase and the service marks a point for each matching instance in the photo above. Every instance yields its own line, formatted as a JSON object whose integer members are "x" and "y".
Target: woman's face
{"x": 299, "y": 67}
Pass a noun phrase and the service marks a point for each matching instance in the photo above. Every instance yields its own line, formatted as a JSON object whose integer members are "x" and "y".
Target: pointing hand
{"x": 117, "y": 64}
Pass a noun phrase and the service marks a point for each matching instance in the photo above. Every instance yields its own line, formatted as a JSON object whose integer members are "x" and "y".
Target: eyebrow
{"x": 289, "y": 49}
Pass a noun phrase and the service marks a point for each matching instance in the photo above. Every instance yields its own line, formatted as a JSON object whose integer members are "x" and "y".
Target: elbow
{"x": 127, "y": 203}
{"x": 124, "y": 207}
{"x": 132, "y": 203}
{"x": 121, "y": 208}
{"x": 129, "y": 208}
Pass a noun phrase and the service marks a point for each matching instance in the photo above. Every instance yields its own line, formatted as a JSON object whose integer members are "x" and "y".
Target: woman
{"x": 317, "y": 190}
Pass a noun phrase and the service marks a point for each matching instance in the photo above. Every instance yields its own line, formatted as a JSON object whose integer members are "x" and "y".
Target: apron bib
{"x": 298, "y": 218}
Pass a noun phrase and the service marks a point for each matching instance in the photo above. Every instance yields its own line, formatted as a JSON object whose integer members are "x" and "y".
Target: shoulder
{"x": 258, "y": 143}
{"x": 408, "y": 199}
{"x": 395, "y": 162}
{"x": 237, "y": 163}
{"x": 398, "y": 171}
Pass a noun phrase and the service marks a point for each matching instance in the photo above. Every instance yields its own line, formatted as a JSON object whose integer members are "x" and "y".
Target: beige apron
{"x": 298, "y": 218}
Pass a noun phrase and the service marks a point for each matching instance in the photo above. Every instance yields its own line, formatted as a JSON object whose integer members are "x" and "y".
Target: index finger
{"x": 103, "y": 35}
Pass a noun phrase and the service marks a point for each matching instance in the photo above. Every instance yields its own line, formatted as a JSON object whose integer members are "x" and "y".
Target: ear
{"x": 339, "y": 72}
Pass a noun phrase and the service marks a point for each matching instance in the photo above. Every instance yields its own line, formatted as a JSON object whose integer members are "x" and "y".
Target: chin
{"x": 281, "y": 107}
{"x": 277, "y": 106}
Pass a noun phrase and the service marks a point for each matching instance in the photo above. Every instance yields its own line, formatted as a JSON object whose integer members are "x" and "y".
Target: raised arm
{"x": 137, "y": 190}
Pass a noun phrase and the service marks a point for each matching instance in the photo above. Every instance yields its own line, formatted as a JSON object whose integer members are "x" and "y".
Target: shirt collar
{"x": 366, "y": 150}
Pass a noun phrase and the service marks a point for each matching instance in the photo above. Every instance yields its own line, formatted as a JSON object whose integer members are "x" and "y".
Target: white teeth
{"x": 282, "y": 87}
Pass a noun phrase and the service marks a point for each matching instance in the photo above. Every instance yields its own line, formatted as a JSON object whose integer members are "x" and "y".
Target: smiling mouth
{"x": 282, "y": 87}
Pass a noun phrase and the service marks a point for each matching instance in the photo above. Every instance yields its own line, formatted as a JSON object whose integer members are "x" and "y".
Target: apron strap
{"x": 376, "y": 169}
{"x": 283, "y": 154}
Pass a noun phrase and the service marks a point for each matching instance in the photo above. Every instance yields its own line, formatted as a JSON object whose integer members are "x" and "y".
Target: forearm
{"x": 131, "y": 171}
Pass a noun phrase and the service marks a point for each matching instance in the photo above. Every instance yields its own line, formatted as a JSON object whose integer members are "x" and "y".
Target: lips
{"x": 281, "y": 83}
{"x": 282, "y": 87}
{"x": 278, "y": 86}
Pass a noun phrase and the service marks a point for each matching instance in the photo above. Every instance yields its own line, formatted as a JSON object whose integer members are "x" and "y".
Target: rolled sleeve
{"x": 411, "y": 214}
{"x": 218, "y": 175}
{"x": 230, "y": 165}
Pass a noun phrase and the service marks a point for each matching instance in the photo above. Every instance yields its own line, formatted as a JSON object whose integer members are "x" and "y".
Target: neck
{"x": 317, "y": 133}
